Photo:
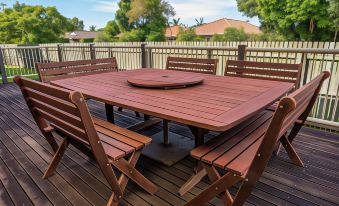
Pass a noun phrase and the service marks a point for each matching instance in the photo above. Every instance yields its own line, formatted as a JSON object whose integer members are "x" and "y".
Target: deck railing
{"x": 20, "y": 60}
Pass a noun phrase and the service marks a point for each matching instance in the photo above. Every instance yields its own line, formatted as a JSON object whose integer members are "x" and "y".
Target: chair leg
{"x": 129, "y": 170}
{"x": 291, "y": 151}
{"x": 56, "y": 159}
{"x": 51, "y": 140}
{"x": 120, "y": 109}
{"x": 194, "y": 179}
{"x": 214, "y": 175}
{"x": 216, "y": 188}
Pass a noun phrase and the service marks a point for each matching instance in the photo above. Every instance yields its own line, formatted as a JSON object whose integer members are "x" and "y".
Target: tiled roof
{"x": 81, "y": 35}
{"x": 218, "y": 27}
{"x": 172, "y": 31}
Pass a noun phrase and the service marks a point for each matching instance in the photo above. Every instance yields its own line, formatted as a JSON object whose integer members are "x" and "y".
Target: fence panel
{"x": 315, "y": 57}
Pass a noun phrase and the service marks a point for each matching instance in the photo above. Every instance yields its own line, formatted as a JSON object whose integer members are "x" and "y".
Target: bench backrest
{"x": 208, "y": 66}
{"x": 67, "y": 113}
{"x": 264, "y": 70}
{"x": 289, "y": 110}
{"x": 59, "y": 70}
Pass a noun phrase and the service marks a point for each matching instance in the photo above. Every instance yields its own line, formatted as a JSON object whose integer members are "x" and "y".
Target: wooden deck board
{"x": 24, "y": 155}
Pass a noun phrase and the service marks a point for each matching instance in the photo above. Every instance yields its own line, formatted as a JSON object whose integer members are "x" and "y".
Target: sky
{"x": 98, "y": 12}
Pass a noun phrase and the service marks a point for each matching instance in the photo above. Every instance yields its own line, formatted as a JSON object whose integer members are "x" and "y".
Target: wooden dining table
{"x": 218, "y": 103}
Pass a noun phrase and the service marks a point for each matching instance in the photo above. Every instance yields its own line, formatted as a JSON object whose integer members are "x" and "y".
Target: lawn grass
{"x": 12, "y": 71}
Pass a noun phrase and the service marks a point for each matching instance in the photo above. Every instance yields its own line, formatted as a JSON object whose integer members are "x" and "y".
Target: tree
{"x": 77, "y": 24}
{"x": 109, "y": 32}
{"x": 295, "y": 20}
{"x": 121, "y": 17}
{"x": 175, "y": 22}
{"x": 135, "y": 35}
{"x": 333, "y": 10}
{"x": 199, "y": 22}
{"x": 150, "y": 16}
{"x": 24, "y": 24}
{"x": 3, "y": 5}
{"x": 233, "y": 34}
{"x": 188, "y": 35}
{"x": 92, "y": 28}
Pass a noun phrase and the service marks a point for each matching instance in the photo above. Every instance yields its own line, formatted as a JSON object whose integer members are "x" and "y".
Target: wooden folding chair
{"x": 264, "y": 70}
{"x": 207, "y": 66}
{"x": 66, "y": 113}
{"x": 60, "y": 70}
{"x": 246, "y": 149}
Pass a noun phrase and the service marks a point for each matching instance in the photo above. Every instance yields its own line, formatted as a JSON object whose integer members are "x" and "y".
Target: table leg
{"x": 166, "y": 131}
{"x": 109, "y": 113}
{"x": 146, "y": 117}
{"x": 199, "y": 134}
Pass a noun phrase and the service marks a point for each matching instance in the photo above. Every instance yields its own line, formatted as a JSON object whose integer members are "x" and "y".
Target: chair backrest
{"x": 289, "y": 110}
{"x": 264, "y": 70}
{"x": 59, "y": 70}
{"x": 66, "y": 112}
{"x": 208, "y": 66}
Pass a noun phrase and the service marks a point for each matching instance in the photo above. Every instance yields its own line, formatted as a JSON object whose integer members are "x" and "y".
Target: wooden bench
{"x": 208, "y": 66}
{"x": 244, "y": 151}
{"x": 60, "y": 70}
{"x": 64, "y": 112}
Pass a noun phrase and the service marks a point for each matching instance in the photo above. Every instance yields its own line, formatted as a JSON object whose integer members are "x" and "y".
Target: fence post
{"x": 59, "y": 53}
{"x": 92, "y": 51}
{"x": 3, "y": 69}
{"x": 241, "y": 52}
{"x": 144, "y": 63}
{"x": 209, "y": 54}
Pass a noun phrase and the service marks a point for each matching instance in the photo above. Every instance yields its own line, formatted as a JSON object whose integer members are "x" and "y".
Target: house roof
{"x": 218, "y": 27}
{"x": 81, "y": 35}
{"x": 172, "y": 31}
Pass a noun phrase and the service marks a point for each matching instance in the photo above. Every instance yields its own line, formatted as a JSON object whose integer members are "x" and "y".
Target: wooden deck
{"x": 24, "y": 155}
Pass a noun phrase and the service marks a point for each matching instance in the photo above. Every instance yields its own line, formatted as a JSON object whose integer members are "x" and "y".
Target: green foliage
{"x": 175, "y": 22}
{"x": 294, "y": 19}
{"x": 135, "y": 35}
{"x": 109, "y": 33}
{"x": 92, "y": 28}
{"x": 156, "y": 36}
{"x": 232, "y": 34}
{"x": 78, "y": 25}
{"x": 333, "y": 10}
{"x": 143, "y": 19}
{"x": 188, "y": 35}
{"x": 24, "y": 24}
{"x": 248, "y": 7}
{"x": 121, "y": 17}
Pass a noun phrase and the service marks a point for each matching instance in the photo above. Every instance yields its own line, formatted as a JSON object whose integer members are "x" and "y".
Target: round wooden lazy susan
{"x": 166, "y": 80}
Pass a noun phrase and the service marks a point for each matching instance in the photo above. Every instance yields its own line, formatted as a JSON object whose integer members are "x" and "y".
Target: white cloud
{"x": 191, "y": 9}
{"x": 106, "y": 6}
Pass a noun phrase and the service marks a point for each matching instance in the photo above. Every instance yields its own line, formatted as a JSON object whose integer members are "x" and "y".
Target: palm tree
{"x": 199, "y": 21}
{"x": 176, "y": 22}
{"x": 3, "y": 5}
{"x": 92, "y": 28}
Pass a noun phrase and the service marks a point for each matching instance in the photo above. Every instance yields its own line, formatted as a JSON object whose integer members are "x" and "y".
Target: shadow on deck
{"x": 24, "y": 155}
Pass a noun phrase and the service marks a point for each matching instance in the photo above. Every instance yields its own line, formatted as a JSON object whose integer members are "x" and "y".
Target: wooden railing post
{"x": 2, "y": 67}
{"x": 92, "y": 51}
{"x": 59, "y": 52}
{"x": 209, "y": 54}
{"x": 242, "y": 52}
{"x": 144, "y": 63}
